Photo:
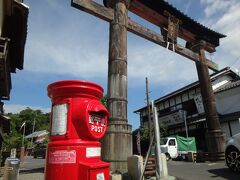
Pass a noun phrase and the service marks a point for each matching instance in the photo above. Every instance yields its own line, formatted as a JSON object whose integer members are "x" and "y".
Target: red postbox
{"x": 78, "y": 121}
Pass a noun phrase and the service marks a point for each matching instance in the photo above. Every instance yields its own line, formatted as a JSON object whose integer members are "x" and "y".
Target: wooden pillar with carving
{"x": 117, "y": 143}
{"x": 215, "y": 138}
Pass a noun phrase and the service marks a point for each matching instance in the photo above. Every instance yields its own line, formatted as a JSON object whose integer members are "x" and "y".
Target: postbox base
{"x": 79, "y": 160}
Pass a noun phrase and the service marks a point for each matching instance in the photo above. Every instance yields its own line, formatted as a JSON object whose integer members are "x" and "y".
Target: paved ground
{"x": 201, "y": 171}
{"x": 33, "y": 169}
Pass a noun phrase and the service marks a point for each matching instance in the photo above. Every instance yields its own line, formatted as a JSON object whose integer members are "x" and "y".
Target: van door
{"x": 172, "y": 148}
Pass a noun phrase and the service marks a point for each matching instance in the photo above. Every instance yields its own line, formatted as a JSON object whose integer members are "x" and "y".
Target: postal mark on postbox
{"x": 97, "y": 123}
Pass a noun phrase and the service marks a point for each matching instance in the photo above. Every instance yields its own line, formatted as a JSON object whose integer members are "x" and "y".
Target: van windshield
{"x": 163, "y": 141}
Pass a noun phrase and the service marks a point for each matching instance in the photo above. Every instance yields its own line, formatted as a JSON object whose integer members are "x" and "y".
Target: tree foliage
{"x": 104, "y": 100}
{"x": 145, "y": 140}
{"x": 145, "y": 132}
{"x": 28, "y": 115}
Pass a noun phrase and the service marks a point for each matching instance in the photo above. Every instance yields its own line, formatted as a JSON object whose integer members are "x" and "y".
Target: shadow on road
{"x": 29, "y": 171}
{"x": 224, "y": 173}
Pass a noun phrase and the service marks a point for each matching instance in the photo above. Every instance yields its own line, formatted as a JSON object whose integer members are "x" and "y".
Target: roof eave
{"x": 192, "y": 85}
{"x": 15, "y": 28}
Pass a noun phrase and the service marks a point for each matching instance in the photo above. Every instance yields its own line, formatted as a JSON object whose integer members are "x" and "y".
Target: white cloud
{"x": 64, "y": 40}
{"x": 83, "y": 52}
{"x": 16, "y": 108}
{"x": 225, "y": 20}
{"x": 77, "y": 60}
{"x": 187, "y": 6}
{"x": 78, "y": 45}
{"x": 160, "y": 65}
{"x": 214, "y": 6}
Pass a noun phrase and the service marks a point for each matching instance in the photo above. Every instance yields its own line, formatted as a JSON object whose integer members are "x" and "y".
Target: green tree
{"x": 104, "y": 100}
{"x": 145, "y": 132}
{"x": 145, "y": 140}
{"x": 28, "y": 115}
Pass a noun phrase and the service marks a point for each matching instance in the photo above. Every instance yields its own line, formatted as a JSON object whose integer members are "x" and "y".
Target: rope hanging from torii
{"x": 172, "y": 30}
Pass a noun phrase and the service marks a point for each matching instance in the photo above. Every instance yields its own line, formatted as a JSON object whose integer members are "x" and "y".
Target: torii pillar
{"x": 117, "y": 143}
{"x": 215, "y": 138}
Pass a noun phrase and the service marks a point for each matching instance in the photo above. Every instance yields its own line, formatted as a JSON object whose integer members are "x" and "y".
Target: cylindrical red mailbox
{"x": 78, "y": 121}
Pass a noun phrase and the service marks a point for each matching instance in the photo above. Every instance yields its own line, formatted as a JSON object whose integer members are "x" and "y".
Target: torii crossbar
{"x": 173, "y": 24}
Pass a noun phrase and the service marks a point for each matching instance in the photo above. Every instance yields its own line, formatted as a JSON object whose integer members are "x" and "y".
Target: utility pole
{"x": 157, "y": 140}
{"x": 22, "y": 150}
{"x": 23, "y": 136}
{"x": 149, "y": 111}
{"x": 33, "y": 129}
{"x": 184, "y": 115}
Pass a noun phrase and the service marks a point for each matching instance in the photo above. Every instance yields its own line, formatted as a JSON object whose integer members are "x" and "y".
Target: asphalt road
{"x": 201, "y": 171}
{"x": 33, "y": 169}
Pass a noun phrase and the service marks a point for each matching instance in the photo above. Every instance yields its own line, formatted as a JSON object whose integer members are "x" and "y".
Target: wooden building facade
{"x": 13, "y": 33}
{"x": 171, "y": 108}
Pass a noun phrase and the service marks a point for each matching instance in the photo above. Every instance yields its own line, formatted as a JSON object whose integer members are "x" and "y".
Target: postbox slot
{"x": 97, "y": 122}
{"x": 97, "y": 117}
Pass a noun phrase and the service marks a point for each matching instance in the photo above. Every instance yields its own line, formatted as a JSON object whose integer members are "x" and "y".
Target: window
{"x": 178, "y": 99}
{"x": 190, "y": 107}
{"x": 172, "y": 102}
{"x": 161, "y": 106}
{"x": 166, "y": 104}
{"x": 163, "y": 141}
{"x": 184, "y": 97}
{"x": 171, "y": 142}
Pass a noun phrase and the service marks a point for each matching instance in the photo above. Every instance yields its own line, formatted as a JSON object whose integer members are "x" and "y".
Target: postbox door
{"x": 99, "y": 174}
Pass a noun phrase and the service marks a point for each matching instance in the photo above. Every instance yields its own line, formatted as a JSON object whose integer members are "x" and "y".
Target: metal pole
{"x": 146, "y": 160}
{"x": 23, "y": 135}
{"x": 149, "y": 111}
{"x": 33, "y": 129}
{"x": 184, "y": 114}
{"x": 22, "y": 150}
{"x": 185, "y": 121}
{"x": 157, "y": 140}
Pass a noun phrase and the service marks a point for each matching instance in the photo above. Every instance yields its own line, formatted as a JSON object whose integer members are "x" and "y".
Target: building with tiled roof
{"x": 171, "y": 108}
{"x": 13, "y": 33}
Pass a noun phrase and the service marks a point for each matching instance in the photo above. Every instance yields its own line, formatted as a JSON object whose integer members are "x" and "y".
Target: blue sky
{"x": 66, "y": 43}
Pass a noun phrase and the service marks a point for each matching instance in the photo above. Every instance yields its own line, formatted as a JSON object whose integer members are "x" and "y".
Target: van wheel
{"x": 167, "y": 157}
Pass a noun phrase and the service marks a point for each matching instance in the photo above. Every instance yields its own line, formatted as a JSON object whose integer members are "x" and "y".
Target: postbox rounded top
{"x": 70, "y": 88}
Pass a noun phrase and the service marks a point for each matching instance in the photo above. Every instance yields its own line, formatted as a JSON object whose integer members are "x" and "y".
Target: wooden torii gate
{"x": 117, "y": 143}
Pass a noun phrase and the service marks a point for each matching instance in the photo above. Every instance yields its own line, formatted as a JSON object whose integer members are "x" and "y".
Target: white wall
{"x": 235, "y": 126}
{"x": 220, "y": 82}
{"x": 228, "y": 101}
{"x": 225, "y": 129}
